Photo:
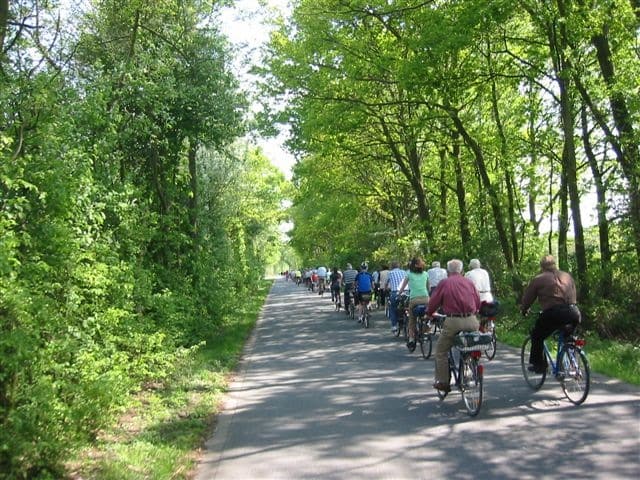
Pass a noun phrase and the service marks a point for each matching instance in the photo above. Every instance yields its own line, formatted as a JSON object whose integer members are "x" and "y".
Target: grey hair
{"x": 435, "y": 264}
{"x": 455, "y": 266}
{"x": 474, "y": 263}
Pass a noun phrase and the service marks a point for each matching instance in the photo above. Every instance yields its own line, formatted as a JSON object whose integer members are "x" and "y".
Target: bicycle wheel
{"x": 366, "y": 318}
{"x": 574, "y": 374}
{"x": 534, "y": 380}
{"x": 405, "y": 326}
{"x": 490, "y": 352}
{"x": 425, "y": 341}
{"x": 471, "y": 384}
{"x": 441, "y": 393}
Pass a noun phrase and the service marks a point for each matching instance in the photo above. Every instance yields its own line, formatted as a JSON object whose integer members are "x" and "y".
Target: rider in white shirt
{"x": 480, "y": 278}
{"x": 436, "y": 273}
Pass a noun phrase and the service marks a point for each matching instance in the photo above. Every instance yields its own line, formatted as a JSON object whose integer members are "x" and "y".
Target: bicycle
{"x": 350, "y": 304}
{"x": 422, "y": 329}
{"x": 365, "y": 316}
{"x": 431, "y": 333}
{"x": 335, "y": 293}
{"x": 468, "y": 372}
{"x": 487, "y": 315}
{"x": 570, "y": 368}
{"x": 402, "y": 314}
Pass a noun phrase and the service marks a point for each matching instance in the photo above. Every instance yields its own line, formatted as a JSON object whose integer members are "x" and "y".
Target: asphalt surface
{"x": 319, "y": 397}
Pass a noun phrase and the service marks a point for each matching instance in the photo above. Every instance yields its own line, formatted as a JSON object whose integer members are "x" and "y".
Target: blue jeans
{"x": 393, "y": 313}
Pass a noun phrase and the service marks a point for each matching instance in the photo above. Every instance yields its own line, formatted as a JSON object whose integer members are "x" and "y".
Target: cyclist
{"x": 322, "y": 279}
{"x": 384, "y": 274}
{"x": 364, "y": 286}
{"x": 480, "y": 278}
{"x": 394, "y": 279}
{"x": 436, "y": 273}
{"x": 348, "y": 277}
{"x": 336, "y": 279}
{"x": 376, "y": 283}
{"x": 460, "y": 302}
{"x": 555, "y": 291}
{"x": 417, "y": 280}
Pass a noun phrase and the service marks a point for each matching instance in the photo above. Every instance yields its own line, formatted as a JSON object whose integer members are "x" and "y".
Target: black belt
{"x": 460, "y": 314}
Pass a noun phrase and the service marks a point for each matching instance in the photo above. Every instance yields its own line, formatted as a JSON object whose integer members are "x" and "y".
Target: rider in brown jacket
{"x": 555, "y": 291}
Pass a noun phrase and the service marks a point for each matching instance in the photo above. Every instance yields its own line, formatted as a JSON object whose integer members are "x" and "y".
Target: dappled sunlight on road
{"x": 325, "y": 398}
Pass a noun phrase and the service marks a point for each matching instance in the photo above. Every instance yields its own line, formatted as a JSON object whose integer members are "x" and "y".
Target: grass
{"x": 161, "y": 432}
{"x": 164, "y": 426}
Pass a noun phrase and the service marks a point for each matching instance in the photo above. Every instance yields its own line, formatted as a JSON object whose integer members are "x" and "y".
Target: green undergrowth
{"x": 159, "y": 434}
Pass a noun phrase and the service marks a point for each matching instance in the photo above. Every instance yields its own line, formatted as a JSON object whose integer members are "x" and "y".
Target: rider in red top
{"x": 460, "y": 302}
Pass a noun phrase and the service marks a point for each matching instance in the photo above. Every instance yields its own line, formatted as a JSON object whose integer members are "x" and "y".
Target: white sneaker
{"x": 394, "y": 329}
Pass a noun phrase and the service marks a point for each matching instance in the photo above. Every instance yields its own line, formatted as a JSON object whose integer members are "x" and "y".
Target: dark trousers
{"x": 549, "y": 321}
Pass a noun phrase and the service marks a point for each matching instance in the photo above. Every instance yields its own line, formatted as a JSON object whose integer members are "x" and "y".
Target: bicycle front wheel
{"x": 534, "y": 380}
{"x": 471, "y": 384}
{"x": 574, "y": 374}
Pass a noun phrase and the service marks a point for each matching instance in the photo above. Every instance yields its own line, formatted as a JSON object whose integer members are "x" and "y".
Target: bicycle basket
{"x": 402, "y": 302}
{"x": 472, "y": 341}
{"x": 419, "y": 310}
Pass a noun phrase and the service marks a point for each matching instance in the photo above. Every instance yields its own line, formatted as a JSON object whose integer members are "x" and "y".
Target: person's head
{"x": 395, "y": 264}
{"x": 548, "y": 262}
{"x": 349, "y": 267}
{"x": 416, "y": 265}
{"x": 435, "y": 264}
{"x": 364, "y": 266}
{"x": 474, "y": 263}
{"x": 335, "y": 269}
{"x": 455, "y": 266}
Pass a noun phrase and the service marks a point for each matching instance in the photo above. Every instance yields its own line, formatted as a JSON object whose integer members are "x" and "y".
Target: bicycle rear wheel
{"x": 426, "y": 344}
{"x": 574, "y": 374}
{"x": 471, "y": 384}
{"x": 490, "y": 352}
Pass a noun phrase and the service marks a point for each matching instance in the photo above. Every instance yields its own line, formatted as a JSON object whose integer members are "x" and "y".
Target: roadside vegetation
{"x": 162, "y": 428}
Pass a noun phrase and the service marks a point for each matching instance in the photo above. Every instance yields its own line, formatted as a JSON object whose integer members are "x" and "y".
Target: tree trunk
{"x": 562, "y": 68}
{"x": 4, "y": 19}
{"x": 504, "y": 161}
{"x": 498, "y": 214}
{"x": 461, "y": 194}
{"x": 629, "y": 151}
{"x": 606, "y": 276}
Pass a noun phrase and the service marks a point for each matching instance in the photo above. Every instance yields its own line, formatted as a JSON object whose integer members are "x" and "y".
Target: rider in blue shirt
{"x": 364, "y": 285}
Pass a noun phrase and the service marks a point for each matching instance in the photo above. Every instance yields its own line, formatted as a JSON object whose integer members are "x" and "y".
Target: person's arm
{"x": 435, "y": 301}
{"x": 403, "y": 284}
{"x": 528, "y": 297}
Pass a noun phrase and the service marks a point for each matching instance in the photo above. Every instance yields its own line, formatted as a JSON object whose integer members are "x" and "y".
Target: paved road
{"x": 318, "y": 397}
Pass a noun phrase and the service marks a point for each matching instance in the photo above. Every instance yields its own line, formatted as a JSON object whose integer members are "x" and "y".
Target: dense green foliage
{"x": 494, "y": 129}
{"x": 131, "y": 217}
